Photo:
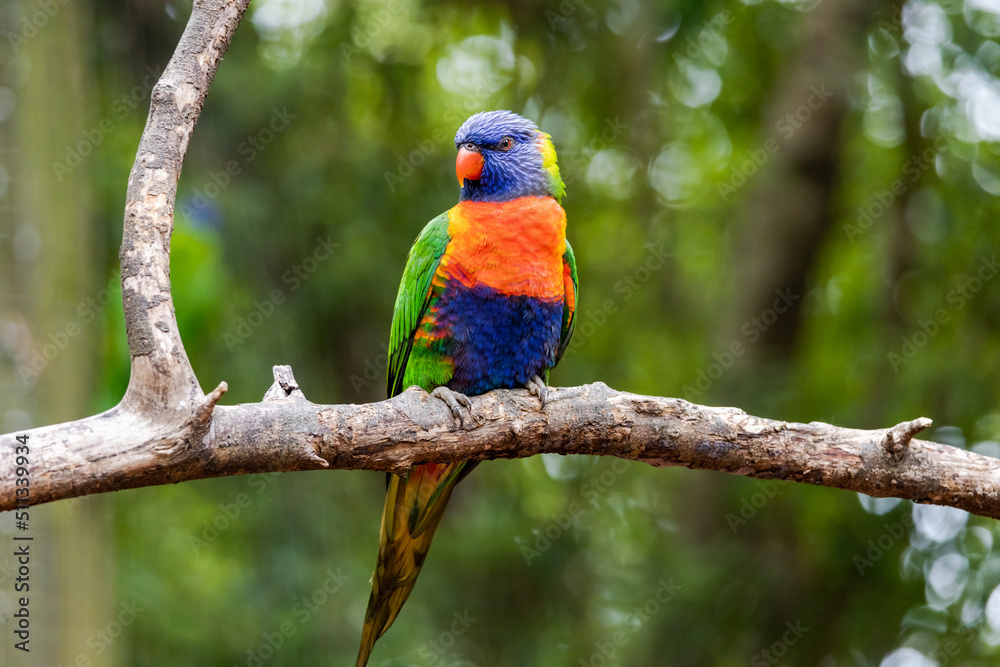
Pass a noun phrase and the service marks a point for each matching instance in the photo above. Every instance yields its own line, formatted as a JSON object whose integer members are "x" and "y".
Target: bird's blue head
{"x": 502, "y": 156}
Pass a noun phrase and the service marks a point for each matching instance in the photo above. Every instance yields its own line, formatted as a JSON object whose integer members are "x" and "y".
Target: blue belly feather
{"x": 497, "y": 341}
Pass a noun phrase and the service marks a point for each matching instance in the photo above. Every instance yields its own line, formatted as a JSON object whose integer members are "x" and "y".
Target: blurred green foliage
{"x": 324, "y": 147}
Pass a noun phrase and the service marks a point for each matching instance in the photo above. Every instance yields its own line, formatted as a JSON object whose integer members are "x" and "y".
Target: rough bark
{"x": 166, "y": 430}
{"x": 162, "y": 382}
{"x": 285, "y": 432}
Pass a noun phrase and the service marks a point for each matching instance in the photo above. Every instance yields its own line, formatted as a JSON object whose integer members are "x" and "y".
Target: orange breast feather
{"x": 515, "y": 247}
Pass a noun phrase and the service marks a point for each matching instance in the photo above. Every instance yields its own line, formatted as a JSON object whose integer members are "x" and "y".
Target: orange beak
{"x": 468, "y": 165}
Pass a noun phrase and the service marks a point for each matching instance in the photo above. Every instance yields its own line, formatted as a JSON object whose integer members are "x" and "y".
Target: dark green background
{"x": 786, "y": 207}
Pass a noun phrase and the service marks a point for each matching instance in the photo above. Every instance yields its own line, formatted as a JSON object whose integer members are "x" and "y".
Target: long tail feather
{"x": 413, "y": 509}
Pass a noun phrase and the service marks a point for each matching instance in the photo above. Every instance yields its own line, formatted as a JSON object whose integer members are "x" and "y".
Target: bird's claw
{"x": 536, "y": 387}
{"x": 454, "y": 400}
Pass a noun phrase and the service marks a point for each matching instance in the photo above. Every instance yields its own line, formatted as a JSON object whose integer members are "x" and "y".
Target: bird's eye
{"x": 506, "y": 144}
{"x": 469, "y": 146}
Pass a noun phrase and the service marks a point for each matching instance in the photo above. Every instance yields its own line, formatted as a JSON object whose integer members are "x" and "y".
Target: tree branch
{"x": 163, "y": 384}
{"x": 166, "y": 430}
{"x": 287, "y": 432}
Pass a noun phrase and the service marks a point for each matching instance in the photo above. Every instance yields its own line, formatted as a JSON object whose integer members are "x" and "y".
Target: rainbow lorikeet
{"x": 487, "y": 301}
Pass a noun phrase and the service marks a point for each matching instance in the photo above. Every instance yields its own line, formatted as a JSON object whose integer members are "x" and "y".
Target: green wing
{"x": 570, "y": 301}
{"x": 414, "y": 297}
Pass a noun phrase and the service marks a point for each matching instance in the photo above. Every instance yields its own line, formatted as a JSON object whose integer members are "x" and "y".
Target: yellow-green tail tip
{"x": 367, "y": 644}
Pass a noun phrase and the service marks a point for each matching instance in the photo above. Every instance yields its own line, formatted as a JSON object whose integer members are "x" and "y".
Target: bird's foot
{"x": 536, "y": 387}
{"x": 454, "y": 400}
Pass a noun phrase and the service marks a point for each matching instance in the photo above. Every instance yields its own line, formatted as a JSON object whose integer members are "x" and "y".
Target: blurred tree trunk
{"x": 790, "y": 207}
{"x": 47, "y": 264}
